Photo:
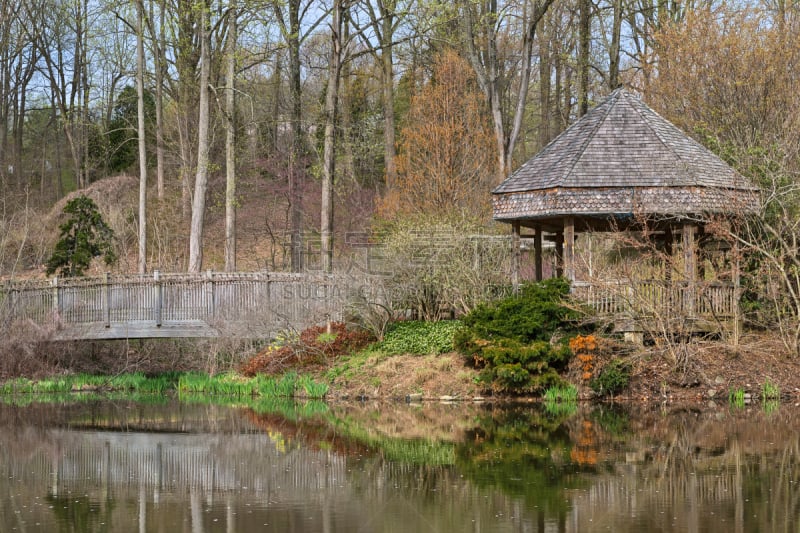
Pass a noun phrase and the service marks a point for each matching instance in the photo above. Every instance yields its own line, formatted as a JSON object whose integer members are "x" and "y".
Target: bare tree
{"x": 201, "y": 176}
{"x": 230, "y": 139}
{"x": 158, "y": 43}
{"x": 481, "y": 23}
{"x": 383, "y": 19}
{"x": 329, "y": 156}
{"x": 142, "y": 264}
{"x": 63, "y": 56}
{"x": 294, "y": 33}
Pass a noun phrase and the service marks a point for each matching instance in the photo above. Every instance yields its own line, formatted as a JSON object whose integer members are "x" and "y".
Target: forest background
{"x": 384, "y": 109}
{"x": 295, "y": 135}
{"x": 283, "y": 135}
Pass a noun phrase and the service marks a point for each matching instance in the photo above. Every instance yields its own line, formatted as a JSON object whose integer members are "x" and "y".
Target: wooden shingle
{"x": 623, "y": 158}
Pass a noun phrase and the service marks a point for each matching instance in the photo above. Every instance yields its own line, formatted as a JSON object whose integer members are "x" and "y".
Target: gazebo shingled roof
{"x": 622, "y": 159}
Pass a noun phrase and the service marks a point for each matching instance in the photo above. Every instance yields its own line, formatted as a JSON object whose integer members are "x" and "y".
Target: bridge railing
{"x": 221, "y": 299}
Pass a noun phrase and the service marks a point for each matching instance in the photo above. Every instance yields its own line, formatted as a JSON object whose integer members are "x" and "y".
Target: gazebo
{"x": 619, "y": 166}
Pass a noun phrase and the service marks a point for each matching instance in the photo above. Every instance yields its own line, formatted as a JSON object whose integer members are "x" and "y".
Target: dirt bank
{"x": 710, "y": 371}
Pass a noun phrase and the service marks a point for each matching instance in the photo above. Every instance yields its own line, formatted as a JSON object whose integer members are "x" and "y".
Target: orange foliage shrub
{"x": 723, "y": 73}
{"x": 585, "y": 348}
{"x": 444, "y": 161}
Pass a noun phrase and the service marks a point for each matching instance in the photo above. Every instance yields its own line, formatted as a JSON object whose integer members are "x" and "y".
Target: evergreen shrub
{"x": 613, "y": 378}
{"x": 511, "y": 340}
{"x": 84, "y": 236}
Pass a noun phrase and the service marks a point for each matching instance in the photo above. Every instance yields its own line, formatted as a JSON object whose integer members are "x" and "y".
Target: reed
{"x": 736, "y": 398}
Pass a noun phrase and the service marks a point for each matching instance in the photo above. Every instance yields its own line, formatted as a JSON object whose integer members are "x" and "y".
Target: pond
{"x": 163, "y": 465}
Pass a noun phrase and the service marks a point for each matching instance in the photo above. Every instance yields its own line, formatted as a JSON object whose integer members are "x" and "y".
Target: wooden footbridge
{"x": 260, "y": 304}
{"x": 210, "y": 304}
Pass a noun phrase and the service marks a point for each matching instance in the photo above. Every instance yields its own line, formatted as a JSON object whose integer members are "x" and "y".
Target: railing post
{"x": 690, "y": 268}
{"x": 515, "y": 255}
{"x": 159, "y": 299}
{"x": 209, "y": 290}
{"x": 13, "y": 293}
{"x": 56, "y": 299}
{"x": 107, "y": 301}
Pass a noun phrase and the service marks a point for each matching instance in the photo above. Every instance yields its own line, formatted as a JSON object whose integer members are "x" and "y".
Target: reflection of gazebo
{"x": 620, "y": 165}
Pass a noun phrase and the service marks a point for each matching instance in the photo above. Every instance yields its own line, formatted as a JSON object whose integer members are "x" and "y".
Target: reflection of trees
{"x": 621, "y": 469}
{"x": 524, "y": 453}
{"x": 642, "y": 468}
{"x": 81, "y": 514}
{"x": 697, "y": 470}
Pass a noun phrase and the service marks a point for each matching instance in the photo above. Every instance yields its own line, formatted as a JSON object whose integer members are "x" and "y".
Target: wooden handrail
{"x": 161, "y": 305}
{"x": 717, "y": 299}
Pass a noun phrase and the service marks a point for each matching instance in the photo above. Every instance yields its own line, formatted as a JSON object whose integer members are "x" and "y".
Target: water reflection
{"x": 201, "y": 467}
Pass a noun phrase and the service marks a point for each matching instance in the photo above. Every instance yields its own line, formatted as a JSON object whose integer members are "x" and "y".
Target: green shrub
{"x": 613, "y": 378}
{"x": 533, "y": 314}
{"x": 419, "y": 337}
{"x": 510, "y": 340}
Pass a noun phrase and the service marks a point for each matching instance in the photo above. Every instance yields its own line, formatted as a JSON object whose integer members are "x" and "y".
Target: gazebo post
{"x": 569, "y": 248}
{"x": 669, "y": 241}
{"x": 737, "y": 291}
{"x": 537, "y": 252}
{"x": 559, "y": 254}
{"x": 689, "y": 266}
{"x": 515, "y": 255}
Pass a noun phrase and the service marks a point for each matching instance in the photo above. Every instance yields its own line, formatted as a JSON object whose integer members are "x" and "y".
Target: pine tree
{"x": 84, "y": 236}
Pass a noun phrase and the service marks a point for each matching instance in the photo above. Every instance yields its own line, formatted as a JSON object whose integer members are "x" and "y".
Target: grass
{"x": 559, "y": 401}
{"x": 770, "y": 391}
{"x": 736, "y": 398}
{"x": 312, "y": 389}
{"x": 228, "y": 384}
{"x": 567, "y": 393}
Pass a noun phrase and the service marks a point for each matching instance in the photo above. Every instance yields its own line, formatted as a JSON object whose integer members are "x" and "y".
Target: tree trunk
{"x": 584, "y": 24}
{"x": 230, "y": 142}
{"x": 522, "y": 95}
{"x": 613, "y": 63}
{"x": 544, "y": 89}
{"x": 5, "y": 89}
{"x": 329, "y": 150}
{"x": 158, "y": 59}
{"x": 186, "y": 57}
{"x": 387, "y": 82}
{"x": 141, "y": 132}
{"x": 296, "y": 150}
{"x": 201, "y": 177}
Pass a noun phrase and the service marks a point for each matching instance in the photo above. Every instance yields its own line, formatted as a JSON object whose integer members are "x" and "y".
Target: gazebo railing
{"x": 658, "y": 298}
